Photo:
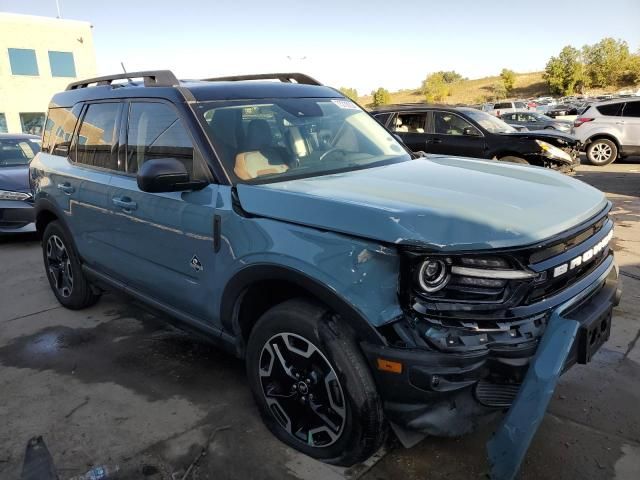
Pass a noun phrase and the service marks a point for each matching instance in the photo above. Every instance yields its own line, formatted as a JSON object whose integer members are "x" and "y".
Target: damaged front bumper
{"x": 448, "y": 393}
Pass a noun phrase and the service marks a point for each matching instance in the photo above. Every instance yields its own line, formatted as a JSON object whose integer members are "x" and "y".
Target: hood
{"x": 15, "y": 179}
{"x": 545, "y": 135}
{"x": 448, "y": 203}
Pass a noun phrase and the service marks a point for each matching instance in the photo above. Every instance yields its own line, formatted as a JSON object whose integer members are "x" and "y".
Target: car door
{"x": 411, "y": 128}
{"x": 454, "y": 135}
{"x": 86, "y": 183}
{"x": 631, "y": 128}
{"x": 164, "y": 240}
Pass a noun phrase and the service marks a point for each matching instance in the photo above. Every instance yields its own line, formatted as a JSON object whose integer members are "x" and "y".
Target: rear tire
{"x": 64, "y": 272}
{"x": 312, "y": 385}
{"x": 602, "y": 151}
{"x": 512, "y": 159}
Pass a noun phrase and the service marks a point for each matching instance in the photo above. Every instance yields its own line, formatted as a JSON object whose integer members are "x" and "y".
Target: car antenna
{"x": 125, "y": 72}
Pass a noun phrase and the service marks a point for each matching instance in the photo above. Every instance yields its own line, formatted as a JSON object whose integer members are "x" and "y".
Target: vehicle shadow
{"x": 19, "y": 238}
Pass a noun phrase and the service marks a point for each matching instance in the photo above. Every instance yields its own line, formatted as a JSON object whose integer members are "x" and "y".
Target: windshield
{"x": 15, "y": 152}
{"x": 489, "y": 122}
{"x": 279, "y": 139}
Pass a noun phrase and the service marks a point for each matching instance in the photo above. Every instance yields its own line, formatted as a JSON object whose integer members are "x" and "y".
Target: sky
{"x": 363, "y": 44}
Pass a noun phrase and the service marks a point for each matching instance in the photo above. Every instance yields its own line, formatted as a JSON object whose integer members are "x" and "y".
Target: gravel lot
{"x": 115, "y": 384}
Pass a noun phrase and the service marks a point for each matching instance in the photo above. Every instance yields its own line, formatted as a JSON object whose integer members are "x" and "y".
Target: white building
{"x": 39, "y": 56}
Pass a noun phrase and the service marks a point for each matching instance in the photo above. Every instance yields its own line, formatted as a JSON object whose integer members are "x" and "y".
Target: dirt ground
{"x": 115, "y": 384}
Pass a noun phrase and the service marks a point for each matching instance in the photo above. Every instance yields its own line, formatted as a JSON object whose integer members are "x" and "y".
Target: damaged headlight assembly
{"x": 435, "y": 273}
{"x": 553, "y": 152}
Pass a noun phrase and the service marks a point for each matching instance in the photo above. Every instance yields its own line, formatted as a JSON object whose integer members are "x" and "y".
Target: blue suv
{"x": 364, "y": 285}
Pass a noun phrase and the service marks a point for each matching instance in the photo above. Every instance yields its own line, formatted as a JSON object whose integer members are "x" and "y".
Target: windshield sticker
{"x": 346, "y": 104}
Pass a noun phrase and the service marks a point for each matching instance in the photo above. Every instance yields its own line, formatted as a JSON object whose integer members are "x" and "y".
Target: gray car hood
{"x": 441, "y": 202}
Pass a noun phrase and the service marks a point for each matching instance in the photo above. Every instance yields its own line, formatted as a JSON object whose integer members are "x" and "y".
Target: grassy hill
{"x": 474, "y": 91}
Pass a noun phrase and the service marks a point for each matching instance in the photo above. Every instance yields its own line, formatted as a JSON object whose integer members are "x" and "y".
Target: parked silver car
{"x": 610, "y": 130}
{"x": 535, "y": 121}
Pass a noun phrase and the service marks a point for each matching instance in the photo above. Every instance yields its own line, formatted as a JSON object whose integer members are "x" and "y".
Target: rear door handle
{"x": 434, "y": 140}
{"x": 66, "y": 188}
{"x": 619, "y": 123}
{"x": 124, "y": 203}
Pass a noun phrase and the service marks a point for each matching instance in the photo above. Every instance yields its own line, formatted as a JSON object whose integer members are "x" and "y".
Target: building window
{"x": 3, "y": 123}
{"x": 62, "y": 64}
{"x": 32, "y": 123}
{"x": 23, "y": 61}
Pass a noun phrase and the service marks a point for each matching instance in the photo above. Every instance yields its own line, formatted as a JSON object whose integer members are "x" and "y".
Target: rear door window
{"x": 632, "y": 109}
{"x": 610, "y": 110}
{"x": 97, "y": 137}
{"x": 410, "y": 122}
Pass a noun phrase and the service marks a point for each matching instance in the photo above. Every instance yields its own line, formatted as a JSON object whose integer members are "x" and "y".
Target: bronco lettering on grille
{"x": 584, "y": 258}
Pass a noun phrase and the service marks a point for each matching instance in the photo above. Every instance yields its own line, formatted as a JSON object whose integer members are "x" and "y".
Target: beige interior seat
{"x": 250, "y": 165}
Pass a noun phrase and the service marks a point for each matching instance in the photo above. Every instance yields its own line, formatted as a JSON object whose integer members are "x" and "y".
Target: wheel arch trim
{"x": 239, "y": 284}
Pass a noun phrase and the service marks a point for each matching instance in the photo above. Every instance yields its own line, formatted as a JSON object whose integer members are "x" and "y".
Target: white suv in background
{"x": 501, "y": 108}
{"x": 609, "y": 130}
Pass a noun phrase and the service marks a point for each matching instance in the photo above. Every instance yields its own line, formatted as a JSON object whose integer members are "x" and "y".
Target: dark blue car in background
{"x": 16, "y": 201}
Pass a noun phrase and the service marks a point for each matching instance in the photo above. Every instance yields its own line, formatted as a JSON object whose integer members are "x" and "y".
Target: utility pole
{"x": 58, "y": 8}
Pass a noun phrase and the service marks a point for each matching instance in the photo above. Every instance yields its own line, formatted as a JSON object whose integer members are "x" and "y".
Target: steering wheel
{"x": 330, "y": 151}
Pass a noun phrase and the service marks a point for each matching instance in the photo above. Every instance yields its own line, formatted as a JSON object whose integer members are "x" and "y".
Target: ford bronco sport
{"x": 365, "y": 286}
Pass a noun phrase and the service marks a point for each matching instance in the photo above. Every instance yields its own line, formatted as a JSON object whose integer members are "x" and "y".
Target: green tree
{"x": 631, "y": 74}
{"x": 450, "y": 76}
{"x": 351, "y": 93}
{"x": 606, "y": 62}
{"x": 508, "y": 78}
{"x": 435, "y": 88}
{"x": 381, "y": 96}
{"x": 499, "y": 90}
{"x": 565, "y": 74}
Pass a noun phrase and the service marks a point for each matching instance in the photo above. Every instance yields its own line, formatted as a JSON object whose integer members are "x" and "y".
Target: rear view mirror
{"x": 165, "y": 175}
{"x": 471, "y": 132}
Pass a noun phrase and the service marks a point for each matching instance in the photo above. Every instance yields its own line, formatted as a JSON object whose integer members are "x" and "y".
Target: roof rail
{"x": 283, "y": 77}
{"x": 152, "y": 78}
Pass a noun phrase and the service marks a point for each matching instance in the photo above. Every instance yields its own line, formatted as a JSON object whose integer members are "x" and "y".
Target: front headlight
{"x": 434, "y": 274}
{"x": 554, "y": 152}
{"x": 8, "y": 195}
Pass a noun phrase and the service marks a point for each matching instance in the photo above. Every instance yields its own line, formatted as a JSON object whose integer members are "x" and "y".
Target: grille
{"x": 495, "y": 394}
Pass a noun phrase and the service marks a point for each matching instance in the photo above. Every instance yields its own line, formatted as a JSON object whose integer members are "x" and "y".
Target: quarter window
{"x": 62, "y": 64}
{"x": 58, "y": 130}
{"x": 23, "y": 61}
{"x": 155, "y": 131}
{"x": 632, "y": 109}
{"x": 410, "y": 122}
{"x": 32, "y": 123}
{"x": 610, "y": 110}
{"x": 96, "y": 137}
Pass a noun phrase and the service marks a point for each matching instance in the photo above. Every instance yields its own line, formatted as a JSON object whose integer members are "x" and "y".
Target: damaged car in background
{"x": 468, "y": 132}
{"x": 364, "y": 286}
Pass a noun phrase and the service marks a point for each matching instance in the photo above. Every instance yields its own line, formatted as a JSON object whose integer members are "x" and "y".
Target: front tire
{"x": 64, "y": 272}
{"x": 602, "y": 151}
{"x": 313, "y": 386}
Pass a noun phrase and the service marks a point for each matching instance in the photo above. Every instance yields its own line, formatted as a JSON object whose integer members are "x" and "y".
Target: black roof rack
{"x": 283, "y": 77}
{"x": 152, "y": 78}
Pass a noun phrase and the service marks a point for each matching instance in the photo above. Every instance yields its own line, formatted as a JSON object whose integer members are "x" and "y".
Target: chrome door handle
{"x": 66, "y": 188}
{"x": 619, "y": 123}
{"x": 124, "y": 203}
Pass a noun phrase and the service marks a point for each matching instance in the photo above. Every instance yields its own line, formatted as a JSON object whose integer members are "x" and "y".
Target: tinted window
{"x": 382, "y": 117}
{"x": 612, "y": 109}
{"x": 58, "y": 130}
{"x": 520, "y": 105}
{"x": 3, "y": 123}
{"x": 632, "y": 109}
{"x": 155, "y": 131}
{"x": 23, "y": 61}
{"x": 62, "y": 64}
{"x": 502, "y": 105}
{"x": 446, "y": 123}
{"x": 96, "y": 136}
{"x": 410, "y": 122}
{"x": 15, "y": 152}
{"x": 32, "y": 123}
